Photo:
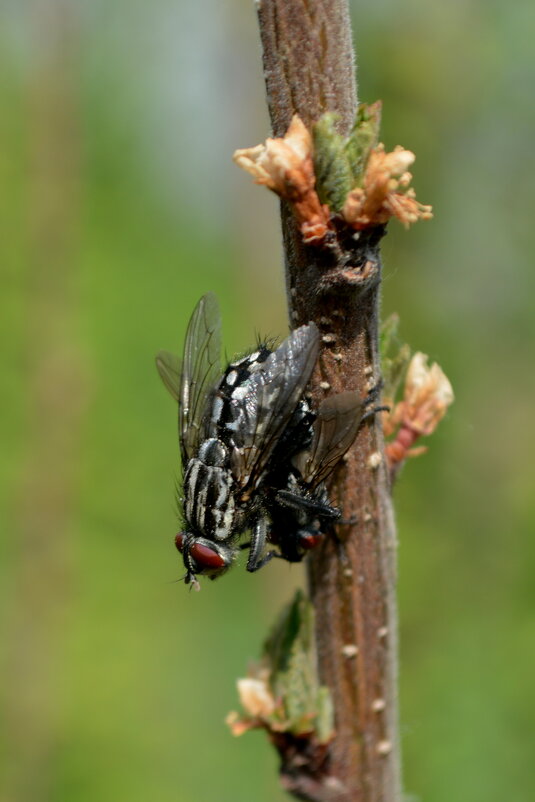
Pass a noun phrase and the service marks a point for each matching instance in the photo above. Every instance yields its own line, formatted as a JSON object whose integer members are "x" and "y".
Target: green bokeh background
{"x": 119, "y": 207}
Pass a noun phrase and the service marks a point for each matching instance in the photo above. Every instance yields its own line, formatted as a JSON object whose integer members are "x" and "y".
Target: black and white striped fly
{"x": 230, "y": 425}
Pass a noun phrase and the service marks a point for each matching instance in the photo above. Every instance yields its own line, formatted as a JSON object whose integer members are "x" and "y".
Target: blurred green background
{"x": 120, "y": 206}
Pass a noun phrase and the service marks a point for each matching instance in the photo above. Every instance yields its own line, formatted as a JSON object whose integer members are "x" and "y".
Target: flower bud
{"x": 285, "y": 166}
{"x": 428, "y": 394}
{"x": 255, "y": 697}
{"x": 385, "y": 192}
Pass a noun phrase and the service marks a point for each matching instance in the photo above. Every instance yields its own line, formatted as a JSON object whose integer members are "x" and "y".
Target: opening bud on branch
{"x": 257, "y": 701}
{"x": 285, "y": 166}
{"x": 282, "y": 694}
{"x": 323, "y": 176}
{"x": 427, "y": 395}
{"x": 385, "y": 192}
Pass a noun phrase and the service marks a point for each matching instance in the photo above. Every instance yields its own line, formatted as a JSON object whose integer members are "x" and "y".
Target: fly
{"x": 229, "y": 426}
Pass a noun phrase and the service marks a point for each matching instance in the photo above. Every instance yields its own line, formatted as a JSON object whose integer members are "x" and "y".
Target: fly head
{"x": 204, "y": 557}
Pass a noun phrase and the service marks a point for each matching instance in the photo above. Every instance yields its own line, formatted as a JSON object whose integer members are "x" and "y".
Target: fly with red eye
{"x": 229, "y": 428}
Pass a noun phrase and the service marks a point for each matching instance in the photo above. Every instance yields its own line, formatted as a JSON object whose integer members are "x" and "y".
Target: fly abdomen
{"x": 209, "y": 504}
{"x": 213, "y": 452}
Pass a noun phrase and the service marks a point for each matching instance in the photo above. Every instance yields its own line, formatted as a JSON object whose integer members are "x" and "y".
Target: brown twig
{"x": 309, "y": 69}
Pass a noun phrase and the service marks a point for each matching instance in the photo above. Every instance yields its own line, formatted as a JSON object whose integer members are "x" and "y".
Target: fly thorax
{"x": 227, "y": 413}
{"x": 209, "y": 505}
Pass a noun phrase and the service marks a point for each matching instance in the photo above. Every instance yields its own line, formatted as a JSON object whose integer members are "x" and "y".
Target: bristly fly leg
{"x": 372, "y": 397}
{"x": 256, "y": 545}
{"x": 293, "y": 501}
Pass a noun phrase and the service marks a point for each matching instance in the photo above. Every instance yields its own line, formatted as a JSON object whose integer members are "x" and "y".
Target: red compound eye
{"x": 206, "y": 557}
{"x": 310, "y": 541}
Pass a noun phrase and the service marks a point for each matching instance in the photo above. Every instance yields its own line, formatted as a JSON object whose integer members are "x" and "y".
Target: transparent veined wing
{"x": 335, "y": 428}
{"x": 192, "y": 382}
{"x": 263, "y": 406}
{"x": 169, "y": 367}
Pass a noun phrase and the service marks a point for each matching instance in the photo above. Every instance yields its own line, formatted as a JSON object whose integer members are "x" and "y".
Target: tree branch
{"x": 309, "y": 69}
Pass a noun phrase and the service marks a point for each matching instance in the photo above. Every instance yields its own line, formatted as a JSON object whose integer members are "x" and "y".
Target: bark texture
{"x": 309, "y": 69}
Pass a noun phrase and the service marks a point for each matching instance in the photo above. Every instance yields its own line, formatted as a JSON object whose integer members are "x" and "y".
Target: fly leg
{"x": 372, "y": 412}
{"x": 309, "y": 505}
{"x": 374, "y": 395}
{"x": 190, "y": 578}
{"x": 256, "y": 546}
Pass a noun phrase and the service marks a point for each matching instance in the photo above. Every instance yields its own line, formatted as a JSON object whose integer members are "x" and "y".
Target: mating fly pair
{"x": 254, "y": 455}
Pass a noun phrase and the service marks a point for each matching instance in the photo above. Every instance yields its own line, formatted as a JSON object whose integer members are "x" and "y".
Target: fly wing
{"x": 335, "y": 428}
{"x": 170, "y": 370}
{"x": 265, "y": 404}
{"x": 201, "y": 370}
{"x": 193, "y": 384}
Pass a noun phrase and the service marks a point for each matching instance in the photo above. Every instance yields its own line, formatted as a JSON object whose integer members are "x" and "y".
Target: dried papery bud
{"x": 271, "y": 163}
{"x": 385, "y": 192}
{"x": 259, "y": 705}
{"x": 285, "y": 166}
{"x": 428, "y": 394}
{"x": 255, "y": 697}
